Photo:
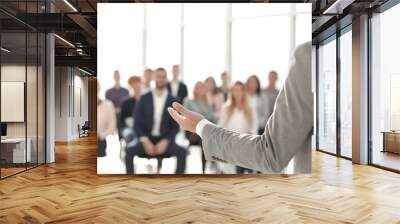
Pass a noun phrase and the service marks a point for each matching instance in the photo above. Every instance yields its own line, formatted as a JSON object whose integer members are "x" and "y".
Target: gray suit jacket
{"x": 287, "y": 134}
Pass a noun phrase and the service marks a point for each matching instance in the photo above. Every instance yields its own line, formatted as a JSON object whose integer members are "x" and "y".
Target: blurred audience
{"x": 175, "y": 87}
{"x": 155, "y": 127}
{"x": 147, "y": 78}
{"x": 117, "y": 93}
{"x": 126, "y": 120}
{"x": 199, "y": 104}
{"x": 225, "y": 84}
{"x": 106, "y": 122}
{"x": 237, "y": 115}
{"x": 148, "y": 130}
{"x": 253, "y": 87}
{"x": 269, "y": 95}
{"x": 214, "y": 97}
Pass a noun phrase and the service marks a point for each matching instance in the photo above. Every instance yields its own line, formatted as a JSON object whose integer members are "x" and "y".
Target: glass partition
{"x": 346, "y": 94}
{"x": 41, "y": 96}
{"x": 31, "y": 97}
{"x": 14, "y": 153}
{"x": 22, "y": 88}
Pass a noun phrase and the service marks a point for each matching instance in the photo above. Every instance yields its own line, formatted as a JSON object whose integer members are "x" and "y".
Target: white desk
{"x": 18, "y": 144}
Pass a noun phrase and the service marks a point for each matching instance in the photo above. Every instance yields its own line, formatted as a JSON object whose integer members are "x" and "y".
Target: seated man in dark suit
{"x": 177, "y": 88}
{"x": 155, "y": 127}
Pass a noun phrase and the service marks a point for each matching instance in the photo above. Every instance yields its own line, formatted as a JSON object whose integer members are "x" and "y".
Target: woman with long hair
{"x": 199, "y": 101}
{"x": 253, "y": 88}
{"x": 214, "y": 97}
{"x": 237, "y": 115}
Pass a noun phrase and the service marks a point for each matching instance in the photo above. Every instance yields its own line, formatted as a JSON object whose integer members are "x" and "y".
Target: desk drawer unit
{"x": 13, "y": 152}
{"x": 392, "y": 142}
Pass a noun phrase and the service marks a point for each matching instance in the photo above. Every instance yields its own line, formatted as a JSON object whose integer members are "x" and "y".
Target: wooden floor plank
{"x": 70, "y": 191}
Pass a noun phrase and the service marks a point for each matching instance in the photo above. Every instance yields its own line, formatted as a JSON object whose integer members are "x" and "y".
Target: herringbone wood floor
{"x": 70, "y": 191}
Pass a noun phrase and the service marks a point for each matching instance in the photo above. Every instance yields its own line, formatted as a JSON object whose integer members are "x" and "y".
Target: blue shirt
{"x": 116, "y": 96}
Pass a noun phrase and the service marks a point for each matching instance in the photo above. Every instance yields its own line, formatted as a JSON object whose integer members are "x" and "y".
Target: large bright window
{"x": 204, "y": 51}
{"x": 385, "y": 88}
{"x": 257, "y": 51}
{"x": 163, "y": 35}
{"x": 205, "y": 42}
{"x": 327, "y": 97}
{"x": 200, "y": 12}
{"x": 205, "y": 39}
{"x": 303, "y": 18}
{"x": 120, "y": 47}
{"x": 245, "y": 10}
{"x": 303, "y": 31}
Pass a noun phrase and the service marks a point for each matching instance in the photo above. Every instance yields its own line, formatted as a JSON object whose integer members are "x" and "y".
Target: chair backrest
{"x": 86, "y": 125}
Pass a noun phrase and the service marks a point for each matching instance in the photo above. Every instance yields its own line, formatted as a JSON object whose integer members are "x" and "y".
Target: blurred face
{"x": 224, "y": 77}
{"x": 136, "y": 87}
{"x": 210, "y": 84}
{"x": 237, "y": 93}
{"x": 199, "y": 89}
{"x": 272, "y": 78}
{"x": 117, "y": 77}
{"x": 147, "y": 76}
{"x": 252, "y": 85}
{"x": 160, "y": 77}
{"x": 175, "y": 72}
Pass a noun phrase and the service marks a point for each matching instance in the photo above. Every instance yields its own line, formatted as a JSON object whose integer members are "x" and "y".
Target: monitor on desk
{"x": 3, "y": 130}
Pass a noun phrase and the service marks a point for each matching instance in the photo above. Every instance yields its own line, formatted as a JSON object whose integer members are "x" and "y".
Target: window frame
{"x": 334, "y": 37}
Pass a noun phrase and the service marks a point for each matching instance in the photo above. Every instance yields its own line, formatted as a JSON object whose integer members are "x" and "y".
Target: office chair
{"x": 84, "y": 130}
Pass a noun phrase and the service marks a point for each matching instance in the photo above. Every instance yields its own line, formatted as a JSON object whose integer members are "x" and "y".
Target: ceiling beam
{"x": 84, "y": 24}
{"x": 337, "y": 7}
{"x": 82, "y": 61}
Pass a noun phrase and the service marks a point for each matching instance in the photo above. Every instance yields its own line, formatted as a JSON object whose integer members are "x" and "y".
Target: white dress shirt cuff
{"x": 143, "y": 138}
{"x": 200, "y": 126}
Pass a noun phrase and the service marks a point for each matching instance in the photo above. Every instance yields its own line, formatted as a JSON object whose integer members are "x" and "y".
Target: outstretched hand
{"x": 186, "y": 119}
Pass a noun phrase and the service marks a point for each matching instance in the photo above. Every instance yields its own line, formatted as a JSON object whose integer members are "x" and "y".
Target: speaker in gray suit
{"x": 287, "y": 134}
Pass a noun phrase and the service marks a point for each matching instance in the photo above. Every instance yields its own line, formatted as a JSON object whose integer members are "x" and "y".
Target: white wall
{"x": 16, "y": 73}
{"x": 12, "y": 73}
{"x": 71, "y": 102}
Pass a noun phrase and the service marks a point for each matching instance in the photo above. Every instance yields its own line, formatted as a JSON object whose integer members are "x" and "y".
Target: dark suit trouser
{"x": 194, "y": 139}
{"x": 101, "y": 147}
{"x": 172, "y": 150}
